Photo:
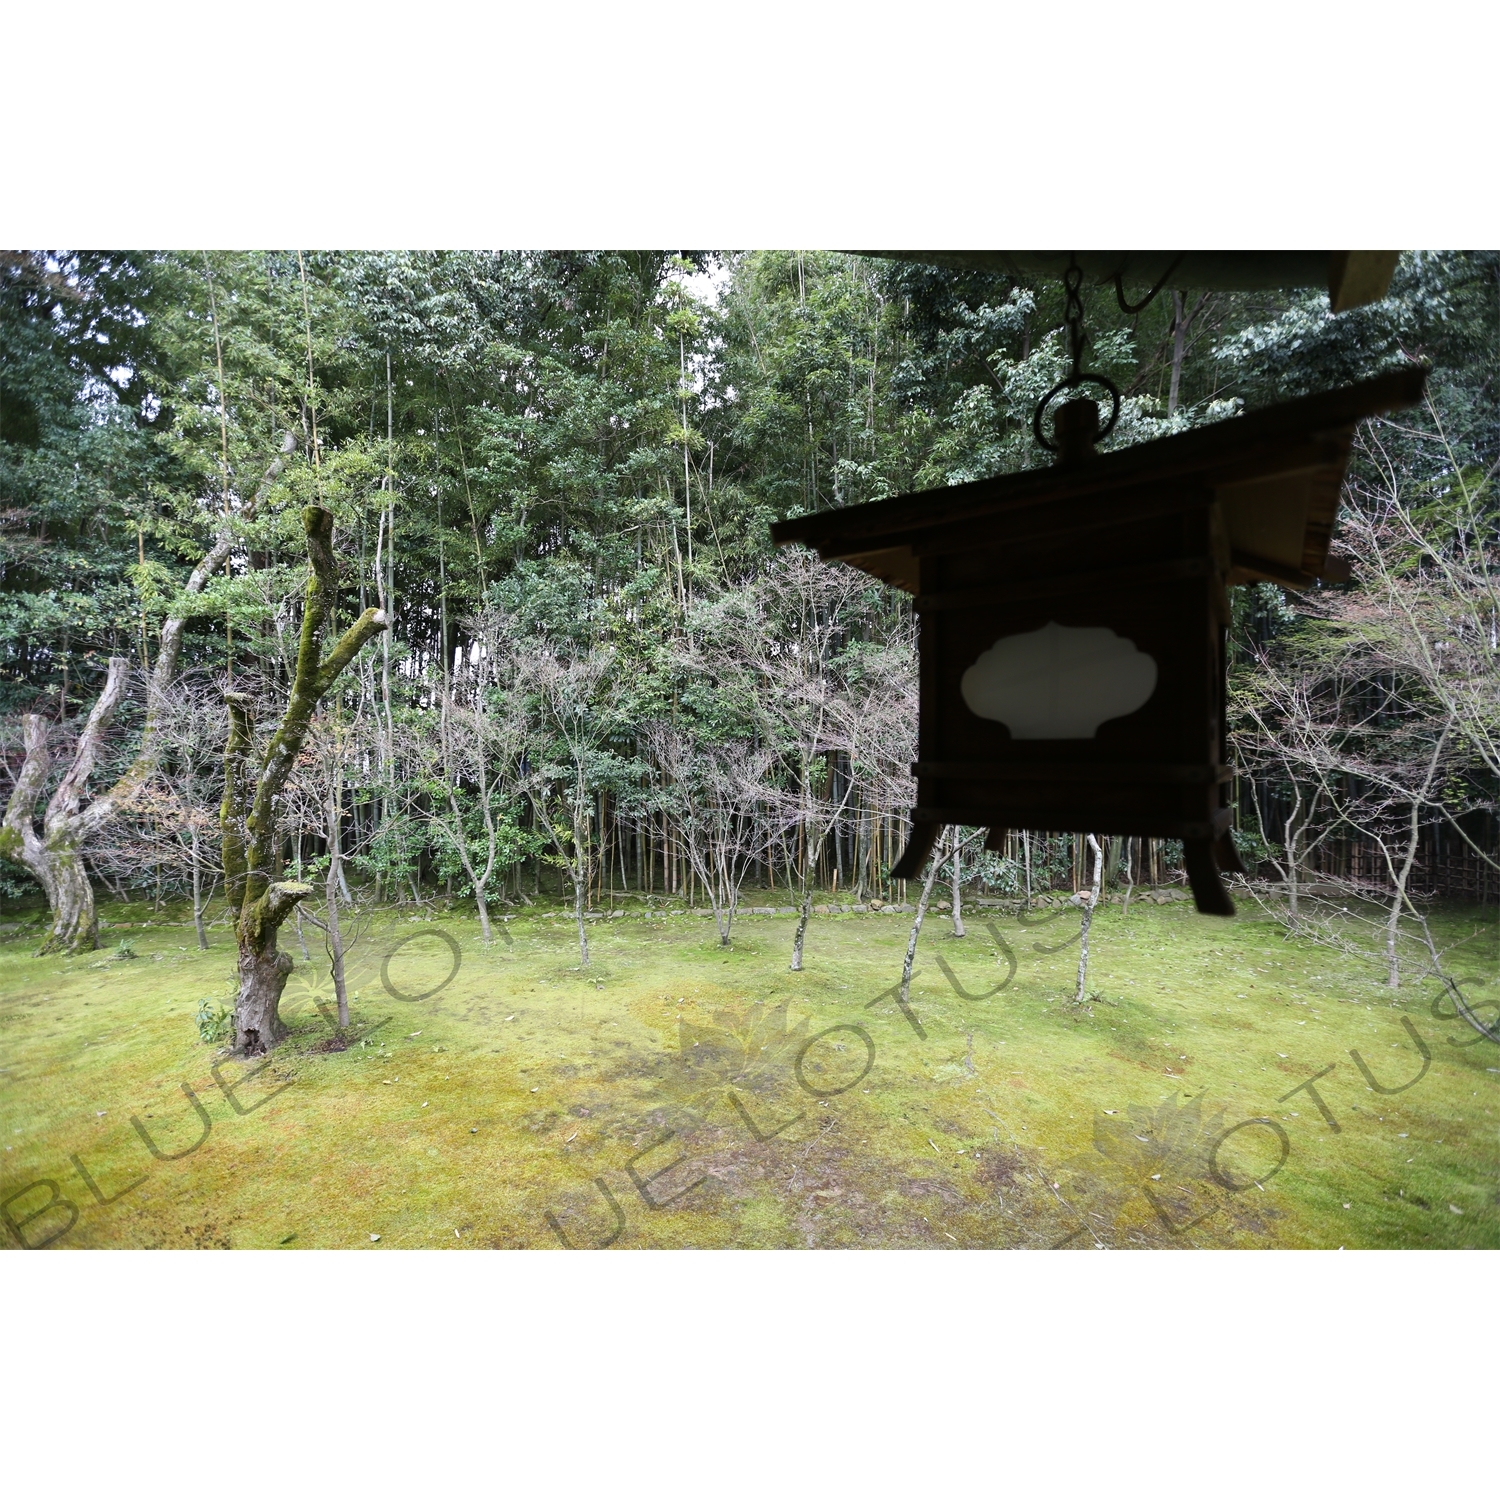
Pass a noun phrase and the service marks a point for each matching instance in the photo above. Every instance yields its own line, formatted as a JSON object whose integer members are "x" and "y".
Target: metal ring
{"x": 442, "y": 937}
{"x": 1070, "y": 383}
{"x": 844, "y": 1088}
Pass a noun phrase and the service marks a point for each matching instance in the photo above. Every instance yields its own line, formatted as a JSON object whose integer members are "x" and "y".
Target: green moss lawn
{"x": 675, "y": 1094}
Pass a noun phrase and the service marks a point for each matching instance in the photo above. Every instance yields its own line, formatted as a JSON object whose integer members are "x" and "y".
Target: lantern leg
{"x": 1203, "y": 875}
{"x": 918, "y": 847}
{"x": 1227, "y": 856}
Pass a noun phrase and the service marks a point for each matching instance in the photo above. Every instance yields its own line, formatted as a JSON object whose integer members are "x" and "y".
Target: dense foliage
{"x": 556, "y": 471}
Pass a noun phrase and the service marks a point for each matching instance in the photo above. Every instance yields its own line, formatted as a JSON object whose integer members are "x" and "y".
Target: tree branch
{"x": 63, "y": 807}
{"x": 18, "y": 834}
{"x": 103, "y": 808}
{"x": 313, "y": 679}
{"x": 282, "y": 896}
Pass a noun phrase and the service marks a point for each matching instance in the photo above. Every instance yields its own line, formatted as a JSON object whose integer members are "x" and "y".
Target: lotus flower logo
{"x": 1060, "y": 682}
{"x": 747, "y": 1049}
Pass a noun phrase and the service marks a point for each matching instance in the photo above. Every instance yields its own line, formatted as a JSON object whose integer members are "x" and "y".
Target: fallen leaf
{"x": 1455, "y": 1208}
{"x": 374, "y": 1237}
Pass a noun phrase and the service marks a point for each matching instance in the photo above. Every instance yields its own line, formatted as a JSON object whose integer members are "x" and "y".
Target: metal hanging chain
{"x": 1134, "y": 307}
{"x": 1073, "y": 317}
{"x": 1077, "y": 341}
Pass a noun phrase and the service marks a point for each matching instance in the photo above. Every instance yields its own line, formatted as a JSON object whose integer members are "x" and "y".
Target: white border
{"x": 813, "y": 124}
{"x": 749, "y": 1373}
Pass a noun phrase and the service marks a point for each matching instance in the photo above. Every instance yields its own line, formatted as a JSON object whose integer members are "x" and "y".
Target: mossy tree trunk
{"x": 53, "y": 853}
{"x": 250, "y": 815}
{"x": 75, "y": 924}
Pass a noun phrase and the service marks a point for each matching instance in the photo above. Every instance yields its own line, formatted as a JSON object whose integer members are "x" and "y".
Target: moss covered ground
{"x": 675, "y": 1094}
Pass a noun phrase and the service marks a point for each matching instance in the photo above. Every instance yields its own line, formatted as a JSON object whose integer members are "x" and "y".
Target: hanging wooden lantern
{"x": 1073, "y": 619}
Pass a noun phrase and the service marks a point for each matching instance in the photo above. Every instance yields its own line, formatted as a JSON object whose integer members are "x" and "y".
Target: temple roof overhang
{"x": 1352, "y": 277}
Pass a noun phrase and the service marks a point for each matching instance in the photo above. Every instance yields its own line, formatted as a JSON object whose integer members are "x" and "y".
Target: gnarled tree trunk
{"x": 75, "y": 923}
{"x": 263, "y": 968}
{"x": 53, "y": 854}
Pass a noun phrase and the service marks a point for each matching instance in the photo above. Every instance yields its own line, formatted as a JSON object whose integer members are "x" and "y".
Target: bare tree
{"x": 827, "y": 705}
{"x": 1399, "y": 861}
{"x": 1285, "y": 743}
{"x": 313, "y": 802}
{"x": 934, "y": 865}
{"x": 169, "y": 820}
{"x": 573, "y": 701}
{"x": 884, "y": 742}
{"x": 713, "y": 791}
{"x": 1363, "y": 748}
{"x": 473, "y": 769}
{"x": 345, "y": 918}
{"x": 956, "y": 872}
{"x": 1088, "y": 919}
{"x": 948, "y": 846}
{"x": 1424, "y": 548}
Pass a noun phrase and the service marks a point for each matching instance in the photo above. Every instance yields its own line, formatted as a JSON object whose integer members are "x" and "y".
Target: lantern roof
{"x": 1275, "y": 472}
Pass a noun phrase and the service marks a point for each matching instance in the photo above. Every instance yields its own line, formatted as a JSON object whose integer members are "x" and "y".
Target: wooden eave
{"x": 1353, "y": 277}
{"x": 1276, "y": 472}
